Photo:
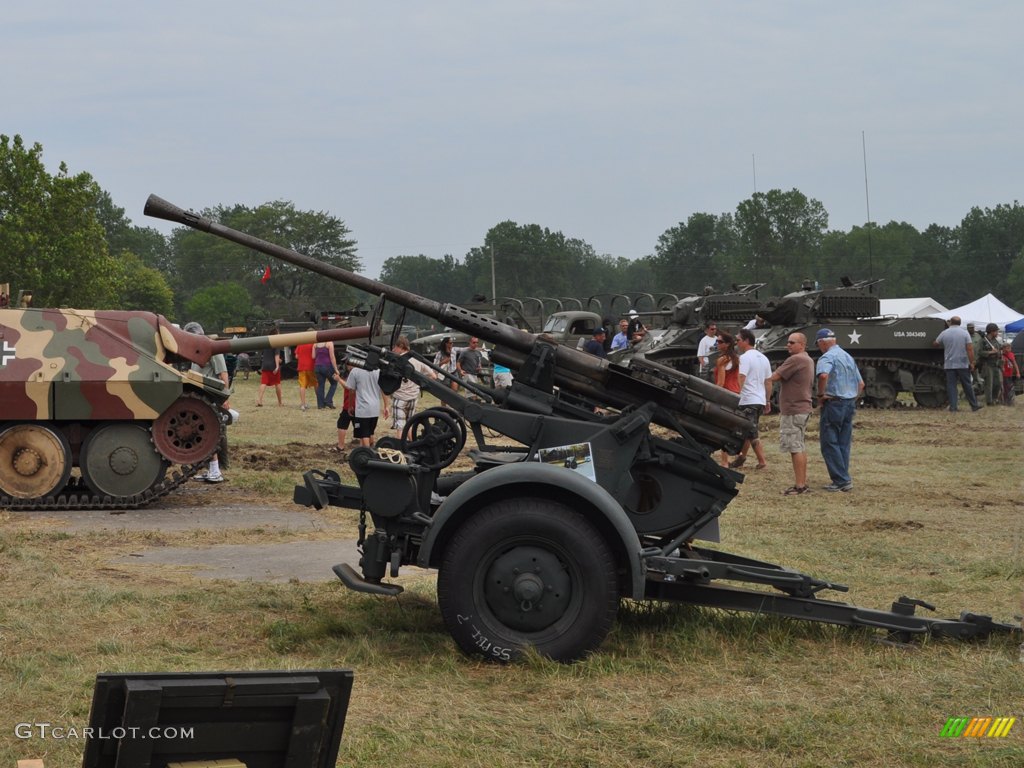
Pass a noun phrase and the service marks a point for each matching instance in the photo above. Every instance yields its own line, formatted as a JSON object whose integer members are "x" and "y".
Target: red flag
{"x": 266, "y": 275}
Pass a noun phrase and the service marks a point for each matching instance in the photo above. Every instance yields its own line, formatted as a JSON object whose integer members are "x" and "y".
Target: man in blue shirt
{"x": 839, "y": 386}
{"x": 596, "y": 345}
{"x": 621, "y": 339}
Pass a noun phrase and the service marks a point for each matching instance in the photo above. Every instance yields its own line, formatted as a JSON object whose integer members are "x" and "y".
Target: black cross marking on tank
{"x": 8, "y": 352}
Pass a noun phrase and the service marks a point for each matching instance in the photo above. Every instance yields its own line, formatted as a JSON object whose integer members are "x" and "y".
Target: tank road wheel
{"x": 120, "y": 460}
{"x": 35, "y": 461}
{"x": 930, "y": 389}
{"x": 188, "y": 432}
{"x": 526, "y": 573}
{"x": 883, "y": 395}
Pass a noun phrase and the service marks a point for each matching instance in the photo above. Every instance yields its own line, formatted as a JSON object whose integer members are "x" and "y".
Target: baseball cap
{"x": 598, "y": 331}
{"x": 825, "y": 333}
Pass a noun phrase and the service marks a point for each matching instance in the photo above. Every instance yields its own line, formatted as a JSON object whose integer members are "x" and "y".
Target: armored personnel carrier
{"x": 101, "y": 392}
{"x": 894, "y": 354}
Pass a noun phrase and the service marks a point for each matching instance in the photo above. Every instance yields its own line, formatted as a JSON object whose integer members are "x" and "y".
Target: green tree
{"x": 691, "y": 254}
{"x": 51, "y": 239}
{"x": 145, "y": 288}
{"x": 989, "y": 241}
{"x": 890, "y": 253}
{"x": 218, "y": 306}
{"x": 145, "y": 242}
{"x": 441, "y": 279}
{"x": 530, "y": 260}
{"x": 779, "y": 236}
{"x": 202, "y": 261}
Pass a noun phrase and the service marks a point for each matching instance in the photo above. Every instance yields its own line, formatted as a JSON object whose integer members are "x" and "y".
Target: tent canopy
{"x": 920, "y": 307}
{"x": 981, "y": 312}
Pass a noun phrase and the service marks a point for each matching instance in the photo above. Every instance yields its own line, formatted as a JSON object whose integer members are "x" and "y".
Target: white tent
{"x": 981, "y": 312}
{"x": 919, "y": 307}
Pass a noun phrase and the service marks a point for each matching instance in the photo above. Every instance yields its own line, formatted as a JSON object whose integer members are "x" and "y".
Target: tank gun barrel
{"x": 199, "y": 349}
{"x": 610, "y": 384}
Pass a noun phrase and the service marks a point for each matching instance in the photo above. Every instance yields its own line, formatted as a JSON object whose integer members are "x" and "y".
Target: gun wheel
{"x": 35, "y": 461}
{"x": 120, "y": 460}
{"x": 188, "y": 432}
{"x": 437, "y": 435}
{"x": 528, "y": 573}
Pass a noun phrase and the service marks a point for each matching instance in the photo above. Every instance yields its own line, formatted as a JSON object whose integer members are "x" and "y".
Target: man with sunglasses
{"x": 796, "y": 379}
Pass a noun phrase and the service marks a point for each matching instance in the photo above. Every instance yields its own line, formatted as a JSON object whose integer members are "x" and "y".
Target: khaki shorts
{"x": 307, "y": 379}
{"x": 791, "y": 432}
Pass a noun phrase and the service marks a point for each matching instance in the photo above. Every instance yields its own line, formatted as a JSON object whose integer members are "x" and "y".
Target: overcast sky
{"x": 422, "y": 125}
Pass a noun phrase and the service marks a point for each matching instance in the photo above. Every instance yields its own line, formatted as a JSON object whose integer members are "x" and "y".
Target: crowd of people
{"x": 832, "y": 384}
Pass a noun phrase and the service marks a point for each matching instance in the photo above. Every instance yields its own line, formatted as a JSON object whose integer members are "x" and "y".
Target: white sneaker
{"x": 202, "y": 476}
{"x": 219, "y": 478}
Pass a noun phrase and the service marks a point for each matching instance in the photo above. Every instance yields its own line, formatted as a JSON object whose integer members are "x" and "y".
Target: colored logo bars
{"x": 977, "y": 727}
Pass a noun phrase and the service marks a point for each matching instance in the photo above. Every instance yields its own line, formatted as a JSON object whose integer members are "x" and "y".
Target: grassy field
{"x": 936, "y": 514}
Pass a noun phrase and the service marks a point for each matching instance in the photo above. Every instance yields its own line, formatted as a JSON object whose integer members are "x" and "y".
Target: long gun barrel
{"x": 199, "y": 349}
{"x": 709, "y": 413}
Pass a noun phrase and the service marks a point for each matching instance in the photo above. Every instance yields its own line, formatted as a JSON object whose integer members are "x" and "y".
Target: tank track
{"x": 76, "y": 495}
{"x": 914, "y": 366}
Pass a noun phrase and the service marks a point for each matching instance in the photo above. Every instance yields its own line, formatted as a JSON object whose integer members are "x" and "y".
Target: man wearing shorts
{"x": 368, "y": 403}
{"x": 795, "y": 377}
{"x": 755, "y": 393}
{"x": 405, "y": 398}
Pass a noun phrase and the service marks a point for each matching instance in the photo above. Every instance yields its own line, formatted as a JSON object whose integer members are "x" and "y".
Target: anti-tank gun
{"x": 597, "y": 486}
{"x": 111, "y": 395}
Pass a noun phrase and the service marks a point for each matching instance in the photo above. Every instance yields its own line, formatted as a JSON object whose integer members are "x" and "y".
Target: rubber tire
{"x": 535, "y": 523}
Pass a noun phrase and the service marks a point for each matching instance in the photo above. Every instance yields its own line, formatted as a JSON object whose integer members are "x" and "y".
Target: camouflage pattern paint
{"x": 63, "y": 372}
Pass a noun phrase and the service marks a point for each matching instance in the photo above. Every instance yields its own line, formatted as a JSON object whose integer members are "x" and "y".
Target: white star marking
{"x": 6, "y": 354}
{"x": 855, "y": 338}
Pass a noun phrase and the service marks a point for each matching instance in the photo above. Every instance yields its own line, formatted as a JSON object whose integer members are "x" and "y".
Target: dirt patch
{"x": 291, "y": 457}
{"x": 889, "y": 525}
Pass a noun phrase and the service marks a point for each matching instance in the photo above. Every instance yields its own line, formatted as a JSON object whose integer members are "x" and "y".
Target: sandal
{"x": 796, "y": 490}
{"x": 336, "y": 449}
{"x": 737, "y": 462}
{"x": 760, "y": 466}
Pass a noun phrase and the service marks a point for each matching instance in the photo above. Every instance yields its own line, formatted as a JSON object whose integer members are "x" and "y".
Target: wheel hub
{"x": 27, "y": 462}
{"x": 123, "y": 461}
{"x": 188, "y": 432}
{"x": 528, "y": 588}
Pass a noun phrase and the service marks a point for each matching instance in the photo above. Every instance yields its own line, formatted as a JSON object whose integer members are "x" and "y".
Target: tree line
{"x": 64, "y": 238}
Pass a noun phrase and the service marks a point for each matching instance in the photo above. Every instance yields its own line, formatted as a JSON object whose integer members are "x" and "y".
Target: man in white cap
{"x": 839, "y": 386}
{"x": 636, "y": 329}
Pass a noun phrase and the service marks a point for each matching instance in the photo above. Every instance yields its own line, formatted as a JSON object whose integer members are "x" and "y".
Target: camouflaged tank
{"x": 111, "y": 395}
